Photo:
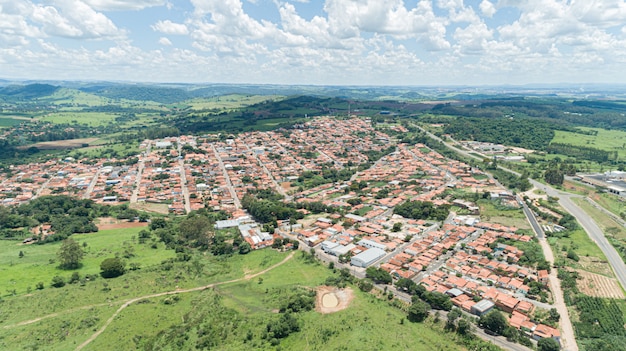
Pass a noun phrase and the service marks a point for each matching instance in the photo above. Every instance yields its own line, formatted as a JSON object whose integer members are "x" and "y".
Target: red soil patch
{"x": 112, "y": 223}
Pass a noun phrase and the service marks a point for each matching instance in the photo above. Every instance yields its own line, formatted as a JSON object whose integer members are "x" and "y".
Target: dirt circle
{"x": 332, "y": 299}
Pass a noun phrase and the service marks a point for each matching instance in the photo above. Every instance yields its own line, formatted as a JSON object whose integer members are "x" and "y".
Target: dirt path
{"x": 568, "y": 339}
{"x": 129, "y": 302}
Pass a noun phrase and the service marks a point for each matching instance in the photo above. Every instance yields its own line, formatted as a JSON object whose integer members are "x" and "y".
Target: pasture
{"x": 227, "y": 102}
{"x": 6, "y": 122}
{"x": 39, "y": 262}
{"x": 607, "y": 140}
{"x": 92, "y": 119}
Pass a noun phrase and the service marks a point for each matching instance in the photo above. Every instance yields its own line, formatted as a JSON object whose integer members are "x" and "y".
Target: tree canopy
{"x": 70, "y": 254}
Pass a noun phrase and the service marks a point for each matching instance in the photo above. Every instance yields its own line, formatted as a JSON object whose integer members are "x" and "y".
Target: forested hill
{"x": 142, "y": 93}
{"x": 24, "y": 92}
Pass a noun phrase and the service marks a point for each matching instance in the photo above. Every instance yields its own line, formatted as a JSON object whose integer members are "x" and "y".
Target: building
{"x": 482, "y": 307}
{"x": 370, "y": 244}
{"x": 617, "y": 190}
{"x": 367, "y": 257}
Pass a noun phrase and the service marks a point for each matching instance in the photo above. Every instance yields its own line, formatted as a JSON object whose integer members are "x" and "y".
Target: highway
{"x": 592, "y": 229}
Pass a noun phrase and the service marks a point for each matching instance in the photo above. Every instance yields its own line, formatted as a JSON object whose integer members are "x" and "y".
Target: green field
{"x": 93, "y": 119}
{"x": 495, "y": 213}
{"x": 227, "y": 102}
{"x": 608, "y": 140}
{"x": 9, "y": 122}
{"x": 73, "y": 313}
{"x": 39, "y": 263}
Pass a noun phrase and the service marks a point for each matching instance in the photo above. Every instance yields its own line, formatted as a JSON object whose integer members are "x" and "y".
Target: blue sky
{"x": 338, "y": 42}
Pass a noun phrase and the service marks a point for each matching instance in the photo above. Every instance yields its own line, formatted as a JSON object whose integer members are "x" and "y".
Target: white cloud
{"x": 169, "y": 27}
{"x": 345, "y": 42}
{"x": 63, "y": 18}
{"x": 164, "y": 41}
{"x": 487, "y": 8}
{"x": 124, "y": 5}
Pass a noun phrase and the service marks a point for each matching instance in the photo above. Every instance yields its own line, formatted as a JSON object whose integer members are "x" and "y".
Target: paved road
{"x": 592, "y": 229}
{"x": 568, "y": 337}
{"x": 229, "y": 184}
{"x": 92, "y": 185}
{"x": 183, "y": 178}
{"x": 140, "y": 167}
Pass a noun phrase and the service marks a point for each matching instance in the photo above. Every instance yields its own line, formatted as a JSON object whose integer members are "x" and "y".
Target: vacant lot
{"x": 599, "y": 286}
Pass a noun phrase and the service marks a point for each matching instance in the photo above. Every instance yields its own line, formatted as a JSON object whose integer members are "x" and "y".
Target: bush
{"x": 112, "y": 267}
{"x": 57, "y": 282}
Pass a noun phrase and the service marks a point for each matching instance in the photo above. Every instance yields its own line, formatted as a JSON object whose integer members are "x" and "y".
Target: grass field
{"x": 93, "y": 119}
{"x": 6, "y": 122}
{"x": 492, "y": 213}
{"x": 608, "y": 140}
{"x": 228, "y": 102}
{"x": 39, "y": 263}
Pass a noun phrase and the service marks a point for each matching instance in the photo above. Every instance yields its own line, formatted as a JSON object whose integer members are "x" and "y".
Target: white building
{"x": 367, "y": 257}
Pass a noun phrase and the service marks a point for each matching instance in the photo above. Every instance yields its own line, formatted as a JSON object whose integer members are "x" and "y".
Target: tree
{"x": 378, "y": 275}
{"x": 463, "y": 327}
{"x": 112, "y": 267}
{"x": 554, "y": 315}
{"x": 548, "y": 344}
{"x": 493, "y": 321}
{"x": 418, "y": 311}
{"x": 244, "y": 248}
{"x": 70, "y": 254}
{"x": 554, "y": 176}
{"x": 396, "y": 227}
{"x": 57, "y": 282}
{"x": 196, "y": 231}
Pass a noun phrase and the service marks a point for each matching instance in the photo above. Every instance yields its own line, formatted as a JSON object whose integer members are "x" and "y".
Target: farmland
{"x": 599, "y": 286}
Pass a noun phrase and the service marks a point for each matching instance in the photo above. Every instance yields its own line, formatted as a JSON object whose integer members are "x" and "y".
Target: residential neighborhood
{"x": 470, "y": 259}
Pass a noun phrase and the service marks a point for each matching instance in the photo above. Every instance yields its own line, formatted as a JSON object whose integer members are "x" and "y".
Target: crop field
{"x": 608, "y": 140}
{"x": 64, "y": 144}
{"x": 598, "y": 285}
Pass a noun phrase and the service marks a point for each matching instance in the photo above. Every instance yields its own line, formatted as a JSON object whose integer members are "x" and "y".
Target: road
{"x": 590, "y": 226}
{"x": 229, "y": 184}
{"x": 279, "y": 189}
{"x": 140, "y": 167}
{"x": 92, "y": 185}
{"x": 183, "y": 178}
{"x": 568, "y": 339}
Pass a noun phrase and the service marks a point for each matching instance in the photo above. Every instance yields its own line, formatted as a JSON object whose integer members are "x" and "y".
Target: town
{"x": 365, "y": 176}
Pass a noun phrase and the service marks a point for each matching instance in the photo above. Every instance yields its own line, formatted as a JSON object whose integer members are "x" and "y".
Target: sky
{"x": 318, "y": 42}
